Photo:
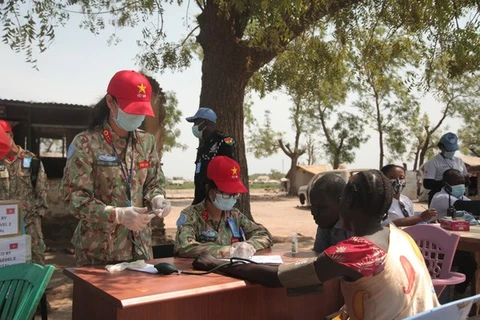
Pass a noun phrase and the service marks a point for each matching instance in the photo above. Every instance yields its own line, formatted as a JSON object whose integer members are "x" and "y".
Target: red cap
{"x": 5, "y": 126}
{"x": 5, "y": 143}
{"x": 132, "y": 91}
{"x": 225, "y": 172}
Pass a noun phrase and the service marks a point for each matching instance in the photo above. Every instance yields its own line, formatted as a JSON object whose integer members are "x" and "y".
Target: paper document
{"x": 148, "y": 269}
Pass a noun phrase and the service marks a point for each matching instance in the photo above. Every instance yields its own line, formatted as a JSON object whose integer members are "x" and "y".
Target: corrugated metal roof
{"x": 33, "y": 103}
{"x": 473, "y": 162}
{"x": 314, "y": 169}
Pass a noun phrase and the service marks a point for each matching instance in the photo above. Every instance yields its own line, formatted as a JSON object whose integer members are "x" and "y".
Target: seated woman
{"x": 213, "y": 225}
{"x": 401, "y": 211}
{"x": 382, "y": 263}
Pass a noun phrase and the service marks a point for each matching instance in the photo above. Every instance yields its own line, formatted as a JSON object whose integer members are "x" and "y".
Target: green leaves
{"x": 173, "y": 117}
{"x": 263, "y": 140}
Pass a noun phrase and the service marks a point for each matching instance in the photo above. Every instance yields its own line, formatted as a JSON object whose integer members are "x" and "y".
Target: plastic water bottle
{"x": 294, "y": 243}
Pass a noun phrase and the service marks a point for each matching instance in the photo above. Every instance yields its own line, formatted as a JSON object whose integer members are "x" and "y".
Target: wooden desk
{"x": 469, "y": 240}
{"x": 98, "y": 294}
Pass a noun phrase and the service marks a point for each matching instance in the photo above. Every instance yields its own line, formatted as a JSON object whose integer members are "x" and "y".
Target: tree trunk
{"x": 415, "y": 162}
{"x": 336, "y": 161}
{"x": 291, "y": 175}
{"x": 225, "y": 74}
{"x": 380, "y": 143}
{"x": 424, "y": 150}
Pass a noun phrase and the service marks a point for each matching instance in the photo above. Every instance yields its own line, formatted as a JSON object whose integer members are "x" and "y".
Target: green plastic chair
{"x": 21, "y": 288}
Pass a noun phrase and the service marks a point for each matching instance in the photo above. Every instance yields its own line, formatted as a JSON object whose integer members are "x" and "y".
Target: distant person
{"x": 325, "y": 198}
{"x": 214, "y": 225}
{"x": 113, "y": 181}
{"x": 23, "y": 178}
{"x": 4, "y": 143}
{"x": 435, "y": 167}
{"x": 212, "y": 143}
{"x": 401, "y": 211}
{"x": 453, "y": 194}
{"x": 383, "y": 274}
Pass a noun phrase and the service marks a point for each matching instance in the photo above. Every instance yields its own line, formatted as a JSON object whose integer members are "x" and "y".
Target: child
{"x": 325, "y": 207}
{"x": 401, "y": 211}
{"x": 382, "y": 263}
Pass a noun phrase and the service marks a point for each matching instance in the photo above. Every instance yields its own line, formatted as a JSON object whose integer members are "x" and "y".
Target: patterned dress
{"x": 395, "y": 284}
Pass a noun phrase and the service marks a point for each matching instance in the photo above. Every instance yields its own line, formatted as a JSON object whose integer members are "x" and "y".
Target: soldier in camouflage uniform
{"x": 214, "y": 225}
{"x": 113, "y": 177}
{"x": 20, "y": 181}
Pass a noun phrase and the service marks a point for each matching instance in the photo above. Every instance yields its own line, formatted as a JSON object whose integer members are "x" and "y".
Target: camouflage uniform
{"x": 197, "y": 232}
{"x": 93, "y": 184}
{"x": 16, "y": 184}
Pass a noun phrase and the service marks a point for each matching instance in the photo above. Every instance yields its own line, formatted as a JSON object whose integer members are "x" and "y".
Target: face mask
{"x": 458, "y": 190}
{"x": 448, "y": 154}
{"x": 197, "y": 132}
{"x": 398, "y": 185}
{"x": 224, "y": 204}
{"x": 128, "y": 122}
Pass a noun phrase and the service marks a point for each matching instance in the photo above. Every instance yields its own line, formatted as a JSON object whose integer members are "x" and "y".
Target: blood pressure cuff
{"x": 298, "y": 274}
{"x": 470, "y": 206}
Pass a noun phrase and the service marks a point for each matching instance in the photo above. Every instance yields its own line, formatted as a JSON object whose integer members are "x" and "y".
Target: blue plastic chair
{"x": 21, "y": 288}
{"x": 455, "y": 310}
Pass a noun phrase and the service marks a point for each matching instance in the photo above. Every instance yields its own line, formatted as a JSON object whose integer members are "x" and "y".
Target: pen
{"x": 242, "y": 234}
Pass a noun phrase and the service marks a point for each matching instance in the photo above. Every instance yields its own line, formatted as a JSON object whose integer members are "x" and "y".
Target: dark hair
{"x": 99, "y": 114}
{"x": 369, "y": 192}
{"x": 450, "y": 174}
{"x": 330, "y": 184}
{"x": 208, "y": 184}
{"x": 386, "y": 169}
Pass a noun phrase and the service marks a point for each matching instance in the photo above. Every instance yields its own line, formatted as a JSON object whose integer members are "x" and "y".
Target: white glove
{"x": 161, "y": 206}
{"x": 242, "y": 250}
{"x": 134, "y": 218}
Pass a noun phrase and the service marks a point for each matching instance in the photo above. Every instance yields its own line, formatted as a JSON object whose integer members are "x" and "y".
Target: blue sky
{"x": 78, "y": 66}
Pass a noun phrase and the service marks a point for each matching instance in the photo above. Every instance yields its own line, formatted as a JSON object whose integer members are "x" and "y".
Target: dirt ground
{"x": 280, "y": 214}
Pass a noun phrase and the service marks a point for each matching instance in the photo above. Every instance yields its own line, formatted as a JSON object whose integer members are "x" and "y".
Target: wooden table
{"x": 469, "y": 240}
{"x": 98, "y": 294}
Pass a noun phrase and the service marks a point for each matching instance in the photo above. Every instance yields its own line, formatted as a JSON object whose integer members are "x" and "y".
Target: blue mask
{"x": 196, "y": 131}
{"x": 128, "y": 122}
{"x": 224, "y": 204}
{"x": 448, "y": 154}
{"x": 458, "y": 190}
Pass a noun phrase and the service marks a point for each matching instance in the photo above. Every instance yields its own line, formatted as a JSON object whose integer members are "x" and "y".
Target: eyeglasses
{"x": 228, "y": 195}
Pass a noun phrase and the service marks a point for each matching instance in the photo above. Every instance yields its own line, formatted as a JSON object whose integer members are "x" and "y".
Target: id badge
{"x": 232, "y": 224}
{"x": 198, "y": 167}
{"x": 26, "y": 162}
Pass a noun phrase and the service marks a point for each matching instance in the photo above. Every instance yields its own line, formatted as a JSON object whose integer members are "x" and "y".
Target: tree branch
{"x": 284, "y": 149}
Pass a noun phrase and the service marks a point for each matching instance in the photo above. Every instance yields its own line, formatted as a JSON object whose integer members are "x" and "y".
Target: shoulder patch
{"x": 228, "y": 141}
{"x": 71, "y": 150}
{"x": 181, "y": 220}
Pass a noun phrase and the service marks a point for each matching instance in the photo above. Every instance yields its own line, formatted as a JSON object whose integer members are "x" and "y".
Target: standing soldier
{"x": 435, "y": 167}
{"x": 113, "y": 177}
{"x": 23, "y": 178}
{"x": 212, "y": 143}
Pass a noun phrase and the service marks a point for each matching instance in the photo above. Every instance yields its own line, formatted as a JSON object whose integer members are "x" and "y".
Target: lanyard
{"x": 127, "y": 175}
